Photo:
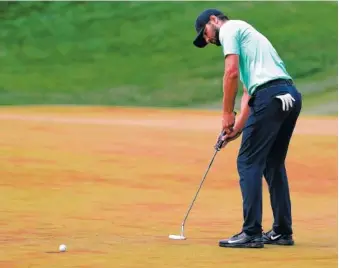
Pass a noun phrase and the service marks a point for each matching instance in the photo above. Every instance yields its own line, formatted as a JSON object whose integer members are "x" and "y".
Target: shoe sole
{"x": 280, "y": 243}
{"x": 245, "y": 245}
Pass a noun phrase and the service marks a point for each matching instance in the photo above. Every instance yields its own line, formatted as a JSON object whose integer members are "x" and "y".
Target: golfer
{"x": 270, "y": 107}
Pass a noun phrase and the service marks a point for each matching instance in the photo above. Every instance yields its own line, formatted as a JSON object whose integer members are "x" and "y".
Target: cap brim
{"x": 200, "y": 41}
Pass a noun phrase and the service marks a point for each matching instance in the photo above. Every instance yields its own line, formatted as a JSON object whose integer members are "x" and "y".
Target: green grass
{"x": 327, "y": 95}
{"x": 141, "y": 53}
{"x": 324, "y": 102}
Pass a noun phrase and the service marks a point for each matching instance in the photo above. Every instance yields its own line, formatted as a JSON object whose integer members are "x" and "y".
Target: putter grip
{"x": 220, "y": 142}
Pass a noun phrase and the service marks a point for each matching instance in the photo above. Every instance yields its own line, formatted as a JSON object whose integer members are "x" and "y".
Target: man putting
{"x": 270, "y": 107}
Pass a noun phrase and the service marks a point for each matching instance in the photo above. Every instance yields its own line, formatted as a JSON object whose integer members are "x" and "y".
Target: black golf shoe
{"x": 273, "y": 238}
{"x": 242, "y": 240}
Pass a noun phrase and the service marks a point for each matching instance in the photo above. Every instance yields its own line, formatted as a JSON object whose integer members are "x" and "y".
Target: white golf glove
{"x": 287, "y": 101}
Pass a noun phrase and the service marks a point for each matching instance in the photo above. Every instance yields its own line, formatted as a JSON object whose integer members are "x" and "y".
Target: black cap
{"x": 200, "y": 24}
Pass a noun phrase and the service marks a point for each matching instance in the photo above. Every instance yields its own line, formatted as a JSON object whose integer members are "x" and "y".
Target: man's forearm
{"x": 244, "y": 110}
{"x": 230, "y": 86}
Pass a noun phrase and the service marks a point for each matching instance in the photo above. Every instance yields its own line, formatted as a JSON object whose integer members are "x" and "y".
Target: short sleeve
{"x": 229, "y": 39}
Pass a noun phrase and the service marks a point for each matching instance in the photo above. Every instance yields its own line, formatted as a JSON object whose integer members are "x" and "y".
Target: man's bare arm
{"x": 244, "y": 110}
{"x": 230, "y": 82}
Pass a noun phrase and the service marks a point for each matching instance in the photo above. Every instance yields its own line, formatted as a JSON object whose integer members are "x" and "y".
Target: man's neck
{"x": 222, "y": 23}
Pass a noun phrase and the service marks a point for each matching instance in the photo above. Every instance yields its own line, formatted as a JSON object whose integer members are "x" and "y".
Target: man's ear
{"x": 213, "y": 18}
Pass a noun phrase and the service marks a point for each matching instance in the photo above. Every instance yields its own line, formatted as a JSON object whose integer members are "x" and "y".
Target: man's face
{"x": 211, "y": 33}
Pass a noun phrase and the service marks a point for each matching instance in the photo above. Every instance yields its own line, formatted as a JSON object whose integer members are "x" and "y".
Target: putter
{"x": 217, "y": 147}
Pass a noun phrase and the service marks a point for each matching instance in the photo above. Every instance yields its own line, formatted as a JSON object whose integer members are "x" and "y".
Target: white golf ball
{"x": 62, "y": 248}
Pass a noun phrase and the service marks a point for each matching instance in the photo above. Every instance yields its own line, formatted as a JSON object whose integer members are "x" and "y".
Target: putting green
{"x": 112, "y": 184}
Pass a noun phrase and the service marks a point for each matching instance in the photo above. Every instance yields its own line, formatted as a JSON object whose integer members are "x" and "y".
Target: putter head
{"x": 177, "y": 237}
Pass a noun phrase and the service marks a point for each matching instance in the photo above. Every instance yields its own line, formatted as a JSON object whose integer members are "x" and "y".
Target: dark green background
{"x": 141, "y": 53}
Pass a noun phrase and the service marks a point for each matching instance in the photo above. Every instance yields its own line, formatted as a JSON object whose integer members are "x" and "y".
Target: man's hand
{"x": 224, "y": 138}
{"x": 234, "y": 134}
{"x": 228, "y": 120}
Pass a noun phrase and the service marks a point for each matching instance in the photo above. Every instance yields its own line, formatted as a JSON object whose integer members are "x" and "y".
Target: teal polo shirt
{"x": 259, "y": 62}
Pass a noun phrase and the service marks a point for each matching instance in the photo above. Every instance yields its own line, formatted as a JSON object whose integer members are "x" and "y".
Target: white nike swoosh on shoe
{"x": 234, "y": 241}
{"x": 275, "y": 237}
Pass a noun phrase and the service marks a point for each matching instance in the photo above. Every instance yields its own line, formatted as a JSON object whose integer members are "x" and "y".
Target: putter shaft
{"x": 201, "y": 183}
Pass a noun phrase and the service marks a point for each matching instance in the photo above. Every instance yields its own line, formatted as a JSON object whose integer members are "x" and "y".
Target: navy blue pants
{"x": 265, "y": 141}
